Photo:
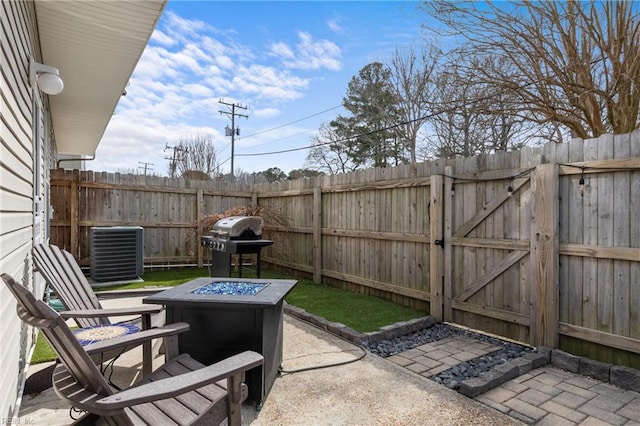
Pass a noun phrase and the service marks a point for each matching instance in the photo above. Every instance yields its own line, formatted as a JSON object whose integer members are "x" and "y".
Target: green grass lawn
{"x": 42, "y": 352}
{"x": 165, "y": 278}
{"x": 360, "y": 312}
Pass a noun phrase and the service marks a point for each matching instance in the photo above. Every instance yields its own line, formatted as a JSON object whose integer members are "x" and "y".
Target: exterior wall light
{"x": 46, "y": 78}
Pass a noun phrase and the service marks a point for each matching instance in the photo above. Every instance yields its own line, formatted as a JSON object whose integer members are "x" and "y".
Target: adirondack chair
{"x": 182, "y": 391}
{"x": 62, "y": 273}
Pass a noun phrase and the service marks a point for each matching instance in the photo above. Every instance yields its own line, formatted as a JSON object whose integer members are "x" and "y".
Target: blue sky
{"x": 288, "y": 62}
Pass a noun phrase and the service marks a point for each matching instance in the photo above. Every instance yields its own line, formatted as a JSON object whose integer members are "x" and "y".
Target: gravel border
{"x": 470, "y": 378}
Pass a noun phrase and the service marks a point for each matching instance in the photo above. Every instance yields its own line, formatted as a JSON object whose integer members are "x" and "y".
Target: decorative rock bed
{"x": 487, "y": 371}
{"x": 471, "y": 378}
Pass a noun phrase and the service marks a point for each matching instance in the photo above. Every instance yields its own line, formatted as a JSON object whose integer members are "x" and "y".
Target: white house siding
{"x": 21, "y": 222}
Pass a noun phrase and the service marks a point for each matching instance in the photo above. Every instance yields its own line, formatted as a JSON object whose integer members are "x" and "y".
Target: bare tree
{"x": 331, "y": 152}
{"x": 472, "y": 116}
{"x": 242, "y": 177}
{"x": 127, "y": 171}
{"x": 413, "y": 82}
{"x": 196, "y": 153}
{"x": 574, "y": 64}
{"x": 455, "y": 129}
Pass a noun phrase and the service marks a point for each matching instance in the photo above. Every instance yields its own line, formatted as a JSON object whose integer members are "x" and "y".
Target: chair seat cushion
{"x": 98, "y": 333}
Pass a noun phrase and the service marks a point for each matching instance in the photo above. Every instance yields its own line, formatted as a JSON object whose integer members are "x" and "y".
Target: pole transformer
{"x": 173, "y": 161}
{"x": 233, "y": 131}
{"x": 145, "y": 166}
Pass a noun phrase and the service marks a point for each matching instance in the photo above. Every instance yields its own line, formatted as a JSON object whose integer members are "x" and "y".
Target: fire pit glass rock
{"x": 233, "y": 288}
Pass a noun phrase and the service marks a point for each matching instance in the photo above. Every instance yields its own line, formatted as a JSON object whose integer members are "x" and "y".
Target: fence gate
{"x": 492, "y": 267}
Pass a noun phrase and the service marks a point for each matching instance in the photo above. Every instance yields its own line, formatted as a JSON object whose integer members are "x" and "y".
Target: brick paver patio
{"x": 543, "y": 396}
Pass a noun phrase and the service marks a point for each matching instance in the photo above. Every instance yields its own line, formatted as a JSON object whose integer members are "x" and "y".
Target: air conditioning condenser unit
{"x": 116, "y": 253}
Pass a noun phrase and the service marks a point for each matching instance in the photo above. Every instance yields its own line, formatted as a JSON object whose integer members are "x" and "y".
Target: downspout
{"x": 93, "y": 157}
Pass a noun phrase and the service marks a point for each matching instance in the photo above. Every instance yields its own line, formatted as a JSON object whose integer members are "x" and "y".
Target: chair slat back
{"x": 60, "y": 270}
{"x": 38, "y": 314}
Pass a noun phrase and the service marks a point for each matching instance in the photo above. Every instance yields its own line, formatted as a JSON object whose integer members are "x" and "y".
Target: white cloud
{"x": 155, "y": 64}
{"x": 309, "y": 54}
{"x": 265, "y": 112}
{"x": 181, "y": 27}
{"x": 198, "y": 90}
{"x": 335, "y": 25}
{"x": 184, "y": 60}
{"x": 282, "y": 50}
{"x": 212, "y": 46}
{"x": 267, "y": 82}
{"x": 225, "y": 62}
{"x": 161, "y": 37}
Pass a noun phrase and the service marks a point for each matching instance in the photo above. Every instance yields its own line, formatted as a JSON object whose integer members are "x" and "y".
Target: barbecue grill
{"x": 234, "y": 235}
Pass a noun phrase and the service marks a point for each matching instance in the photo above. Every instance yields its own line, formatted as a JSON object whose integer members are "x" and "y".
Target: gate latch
{"x": 440, "y": 243}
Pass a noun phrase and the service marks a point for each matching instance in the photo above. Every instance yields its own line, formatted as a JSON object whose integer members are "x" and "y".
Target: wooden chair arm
{"x": 112, "y": 312}
{"x": 177, "y": 385}
{"x": 136, "y": 338}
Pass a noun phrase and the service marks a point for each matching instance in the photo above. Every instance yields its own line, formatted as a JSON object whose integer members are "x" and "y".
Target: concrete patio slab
{"x": 364, "y": 390}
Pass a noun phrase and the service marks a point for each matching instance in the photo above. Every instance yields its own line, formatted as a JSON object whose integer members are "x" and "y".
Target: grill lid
{"x": 239, "y": 228}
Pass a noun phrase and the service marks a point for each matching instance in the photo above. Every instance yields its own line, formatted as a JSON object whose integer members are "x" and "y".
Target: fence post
{"x": 73, "y": 214}
{"x": 199, "y": 209}
{"x": 449, "y": 206}
{"x": 544, "y": 290}
{"x": 317, "y": 234}
{"x": 436, "y": 252}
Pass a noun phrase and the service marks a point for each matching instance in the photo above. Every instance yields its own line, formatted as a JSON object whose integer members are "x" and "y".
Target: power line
{"x": 372, "y": 132}
{"x": 292, "y": 122}
{"x": 280, "y": 139}
{"x": 384, "y": 129}
{"x": 224, "y": 148}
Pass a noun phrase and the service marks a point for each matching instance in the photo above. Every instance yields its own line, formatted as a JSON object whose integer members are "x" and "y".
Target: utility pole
{"x": 233, "y": 131}
{"x": 176, "y": 150}
{"x": 144, "y": 166}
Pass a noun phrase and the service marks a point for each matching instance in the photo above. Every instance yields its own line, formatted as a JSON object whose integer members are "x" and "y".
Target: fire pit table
{"x": 228, "y": 316}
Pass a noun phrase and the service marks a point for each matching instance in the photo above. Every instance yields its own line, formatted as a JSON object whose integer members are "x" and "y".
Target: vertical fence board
{"x": 634, "y": 239}
{"x": 494, "y": 229}
{"x": 448, "y": 195}
{"x": 437, "y": 252}
{"x": 199, "y": 234}
{"x": 317, "y": 234}
{"x": 590, "y": 265}
{"x": 573, "y": 223}
{"x": 544, "y": 257}
{"x": 511, "y": 291}
{"x": 73, "y": 214}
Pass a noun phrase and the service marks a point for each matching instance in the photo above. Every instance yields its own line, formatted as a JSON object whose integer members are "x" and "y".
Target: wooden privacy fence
{"x": 167, "y": 209}
{"x": 540, "y": 245}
